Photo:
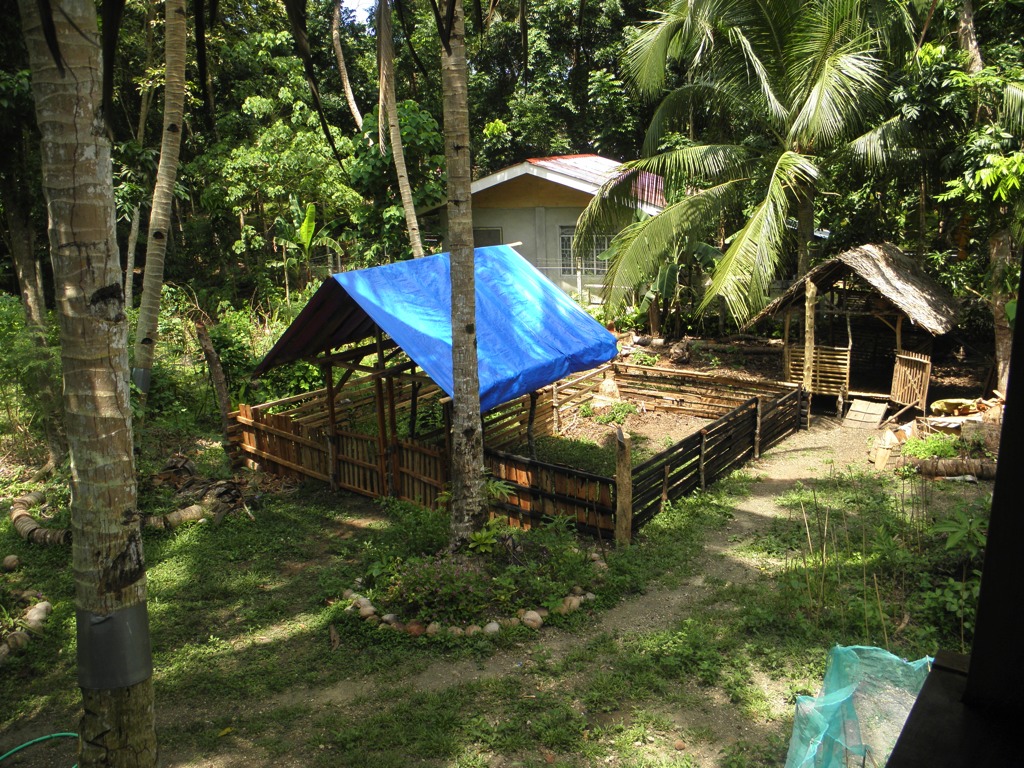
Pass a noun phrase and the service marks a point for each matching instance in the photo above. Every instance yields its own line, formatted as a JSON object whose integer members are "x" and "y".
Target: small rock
{"x": 382, "y": 625}
{"x": 542, "y": 612}
{"x": 472, "y": 629}
{"x": 492, "y": 628}
{"x": 11, "y": 563}
{"x": 366, "y": 611}
{"x": 363, "y": 602}
{"x": 415, "y": 628}
{"x": 571, "y": 603}
{"x": 600, "y": 565}
{"x": 18, "y": 640}
{"x": 680, "y": 353}
{"x": 595, "y": 556}
{"x": 347, "y": 594}
{"x": 433, "y": 628}
{"x": 510, "y": 622}
{"x": 590, "y": 596}
{"x": 373, "y": 620}
{"x": 533, "y": 620}
{"x": 389, "y": 618}
{"x": 398, "y": 626}
{"x": 680, "y": 745}
{"x": 577, "y": 590}
{"x": 520, "y": 612}
{"x": 456, "y": 631}
{"x": 5, "y": 651}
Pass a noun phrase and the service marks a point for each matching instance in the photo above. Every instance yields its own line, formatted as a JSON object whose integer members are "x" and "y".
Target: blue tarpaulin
{"x": 529, "y": 332}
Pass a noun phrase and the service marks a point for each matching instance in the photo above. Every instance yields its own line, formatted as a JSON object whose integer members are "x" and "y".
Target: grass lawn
{"x": 698, "y": 640}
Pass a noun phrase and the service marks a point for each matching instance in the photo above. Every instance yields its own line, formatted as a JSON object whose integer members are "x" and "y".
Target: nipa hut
{"x": 868, "y": 311}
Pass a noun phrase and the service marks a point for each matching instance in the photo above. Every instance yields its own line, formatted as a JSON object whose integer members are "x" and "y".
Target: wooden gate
{"x": 910, "y": 379}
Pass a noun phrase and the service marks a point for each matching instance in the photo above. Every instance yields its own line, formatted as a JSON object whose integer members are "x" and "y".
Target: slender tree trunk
{"x": 23, "y": 246}
{"x": 467, "y": 433}
{"x": 1000, "y": 258}
{"x": 114, "y": 665}
{"x": 389, "y": 106}
{"x": 33, "y": 300}
{"x": 163, "y": 195}
{"x": 350, "y": 97}
{"x": 140, "y": 135}
{"x": 804, "y": 230}
{"x": 967, "y": 39}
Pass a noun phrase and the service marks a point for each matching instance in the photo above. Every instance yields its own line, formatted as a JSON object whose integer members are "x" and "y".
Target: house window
{"x": 483, "y": 236}
{"x": 591, "y": 264}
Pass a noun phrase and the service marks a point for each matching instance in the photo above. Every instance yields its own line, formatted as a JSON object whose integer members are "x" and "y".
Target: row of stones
{"x": 533, "y": 619}
{"x": 33, "y": 619}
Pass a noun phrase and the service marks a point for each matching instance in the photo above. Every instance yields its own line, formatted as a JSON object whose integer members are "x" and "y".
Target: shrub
{"x": 938, "y": 446}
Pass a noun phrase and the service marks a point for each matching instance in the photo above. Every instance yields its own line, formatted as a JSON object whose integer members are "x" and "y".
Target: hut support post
{"x": 899, "y": 334}
{"x": 623, "y": 489}
{"x": 382, "y": 431}
{"x": 327, "y": 369}
{"x": 393, "y": 448}
{"x": 412, "y": 409}
{"x": 529, "y": 426}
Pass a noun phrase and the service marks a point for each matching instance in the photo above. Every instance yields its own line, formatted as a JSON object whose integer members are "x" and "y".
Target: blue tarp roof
{"x": 529, "y": 332}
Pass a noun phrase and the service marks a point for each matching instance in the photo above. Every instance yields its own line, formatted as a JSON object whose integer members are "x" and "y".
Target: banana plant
{"x": 302, "y": 237}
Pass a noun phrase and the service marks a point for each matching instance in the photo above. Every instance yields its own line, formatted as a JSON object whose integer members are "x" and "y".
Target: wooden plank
{"x": 864, "y": 414}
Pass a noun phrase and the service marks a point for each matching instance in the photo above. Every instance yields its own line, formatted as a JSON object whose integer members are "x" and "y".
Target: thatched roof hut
{"x": 897, "y": 279}
{"x": 863, "y": 297}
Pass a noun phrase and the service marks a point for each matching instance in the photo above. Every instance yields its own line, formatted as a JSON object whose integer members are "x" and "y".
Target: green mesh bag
{"x": 855, "y": 720}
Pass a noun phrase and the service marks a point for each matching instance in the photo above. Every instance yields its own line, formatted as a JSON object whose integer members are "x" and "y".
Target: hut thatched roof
{"x": 896, "y": 277}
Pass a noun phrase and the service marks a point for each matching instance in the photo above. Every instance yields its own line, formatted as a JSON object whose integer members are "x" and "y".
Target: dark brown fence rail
{"x": 541, "y": 490}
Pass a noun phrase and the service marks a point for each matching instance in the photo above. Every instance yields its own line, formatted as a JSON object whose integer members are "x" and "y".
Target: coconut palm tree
{"x": 800, "y": 78}
{"x": 114, "y": 661}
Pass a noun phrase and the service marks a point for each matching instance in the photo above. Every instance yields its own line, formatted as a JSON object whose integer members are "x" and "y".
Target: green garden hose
{"x": 7, "y": 754}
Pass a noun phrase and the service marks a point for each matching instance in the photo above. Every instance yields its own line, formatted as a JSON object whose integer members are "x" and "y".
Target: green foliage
{"x": 616, "y": 413}
{"x": 30, "y": 373}
{"x": 937, "y": 446}
{"x": 507, "y": 569}
{"x": 643, "y": 358}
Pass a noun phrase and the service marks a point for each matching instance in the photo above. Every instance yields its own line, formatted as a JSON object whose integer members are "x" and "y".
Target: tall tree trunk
{"x": 163, "y": 194}
{"x": 140, "y": 135}
{"x": 1000, "y": 257}
{"x": 389, "y": 106}
{"x": 967, "y": 39}
{"x": 804, "y": 230}
{"x": 467, "y": 433}
{"x": 114, "y": 664}
{"x": 350, "y": 97}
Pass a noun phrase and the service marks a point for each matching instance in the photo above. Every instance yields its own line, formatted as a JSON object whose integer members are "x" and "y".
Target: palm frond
{"x": 640, "y": 181}
{"x": 773, "y": 106}
{"x": 731, "y": 95}
{"x": 1013, "y": 107}
{"x": 744, "y": 274}
{"x": 847, "y": 86}
{"x": 641, "y": 248}
{"x": 888, "y": 143}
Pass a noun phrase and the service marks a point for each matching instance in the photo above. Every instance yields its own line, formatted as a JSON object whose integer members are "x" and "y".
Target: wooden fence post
{"x": 623, "y": 489}
{"x": 703, "y": 448}
{"x": 554, "y": 407}
{"x": 757, "y": 430}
